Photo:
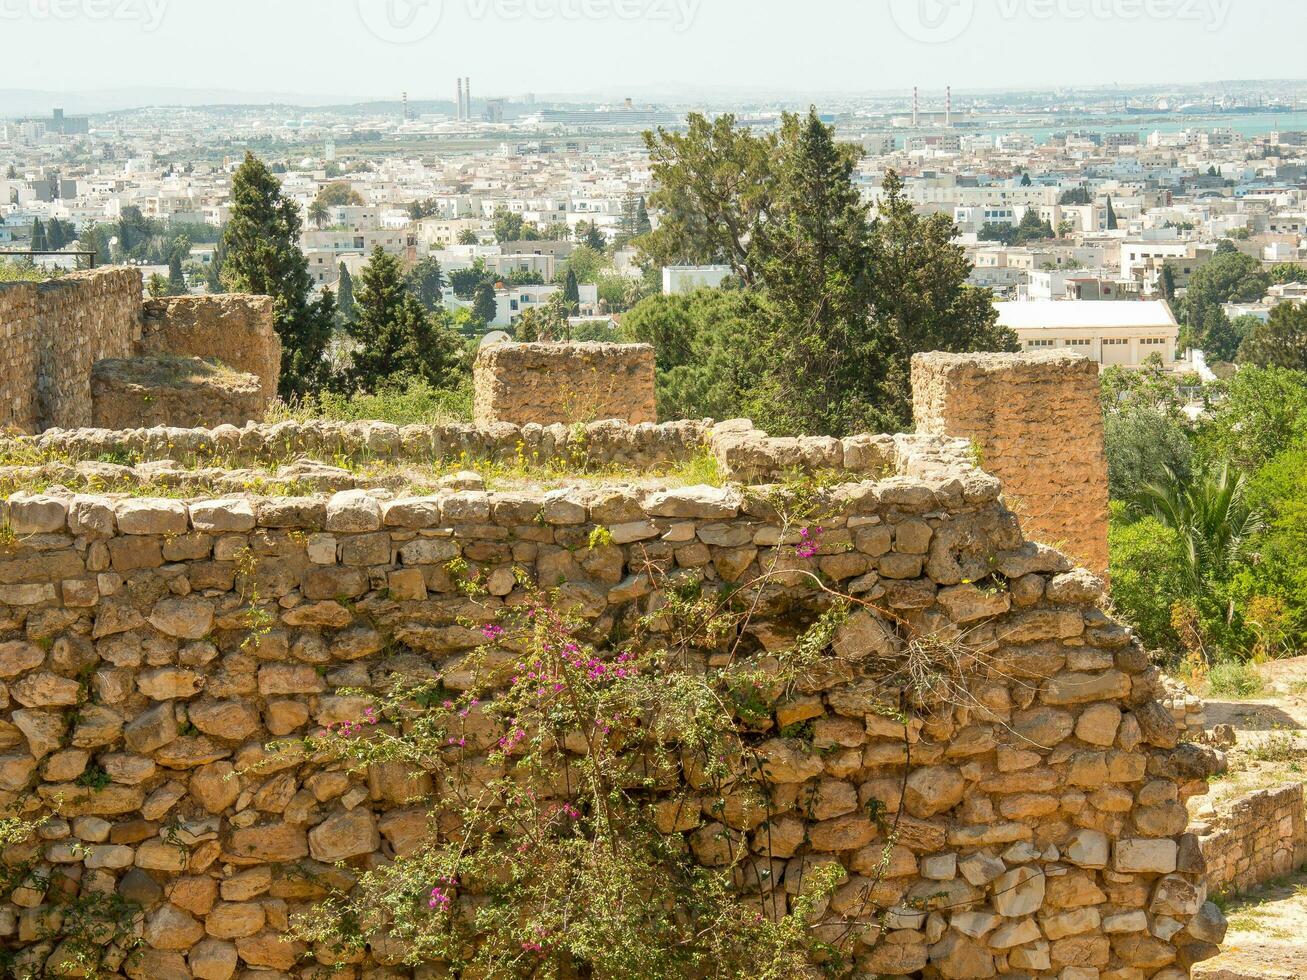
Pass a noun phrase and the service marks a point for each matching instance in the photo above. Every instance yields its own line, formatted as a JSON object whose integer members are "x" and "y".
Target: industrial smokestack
{"x": 916, "y": 108}
{"x": 948, "y": 107}
{"x": 458, "y": 106}
{"x": 467, "y": 94}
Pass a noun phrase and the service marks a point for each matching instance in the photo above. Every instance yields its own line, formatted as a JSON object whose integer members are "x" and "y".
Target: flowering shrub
{"x": 557, "y": 783}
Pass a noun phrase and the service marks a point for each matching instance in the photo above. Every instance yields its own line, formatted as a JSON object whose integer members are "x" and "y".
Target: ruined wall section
{"x": 567, "y": 383}
{"x": 53, "y": 332}
{"x": 1037, "y": 424}
{"x": 18, "y": 355}
{"x": 235, "y": 330}
{"x": 1042, "y": 826}
{"x": 1255, "y": 838}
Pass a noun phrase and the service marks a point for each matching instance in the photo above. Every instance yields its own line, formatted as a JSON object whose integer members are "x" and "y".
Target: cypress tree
{"x": 1111, "y": 215}
{"x": 484, "y": 306}
{"x": 572, "y": 292}
{"x": 345, "y": 294}
{"x": 39, "y": 242}
{"x": 263, "y": 256}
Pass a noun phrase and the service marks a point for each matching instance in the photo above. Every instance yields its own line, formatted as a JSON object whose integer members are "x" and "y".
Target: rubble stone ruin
{"x": 86, "y": 350}
{"x": 1040, "y": 822}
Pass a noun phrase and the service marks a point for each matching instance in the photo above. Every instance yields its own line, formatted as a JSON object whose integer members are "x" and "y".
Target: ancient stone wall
{"x": 568, "y": 383}
{"x": 53, "y": 332}
{"x": 1037, "y": 425}
{"x": 1040, "y": 821}
{"x": 18, "y": 356}
{"x": 235, "y": 330}
{"x": 172, "y": 390}
{"x": 1255, "y": 838}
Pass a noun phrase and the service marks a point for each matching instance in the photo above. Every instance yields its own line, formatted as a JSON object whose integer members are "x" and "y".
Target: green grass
{"x": 1235, "y": 679}
{"x": 417, "y": 403}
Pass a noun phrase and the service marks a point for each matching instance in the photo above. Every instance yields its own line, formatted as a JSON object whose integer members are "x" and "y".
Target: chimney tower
{"x": 948, "y": 108}
{"x": 458, "y": 105}
{"x": 467, "y": 95}
{"x": 916, "y": 108}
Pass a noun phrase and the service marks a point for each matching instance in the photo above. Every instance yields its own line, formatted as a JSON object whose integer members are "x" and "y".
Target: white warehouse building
{"x": 1112, "y": 333}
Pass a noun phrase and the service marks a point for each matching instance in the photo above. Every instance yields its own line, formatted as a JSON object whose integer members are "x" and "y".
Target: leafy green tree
{"x": 1287, "y": 272}
{"x": 345, "y": 294}
{"x": 394, "y": 336}
{"x": 994, "y": 231}
{"x": 1144, "y": 444}
{"x": 426, "y": 280}
{"x": 508, "y": 226}
{"x": 1279, "y": 489}
{"x": 714, "y": 188}
{"x": 1076, "y": 195}
{"x": 484, "y": 306}
{"x": 157, "y": 286}
{"x": 263, "y": 257}
{"x": 1254, "y": 417}
{"x": 1231, "y": 277}
{"x": 465, "y": 281}
{"x": 1025, "y": 180}
{"x": 584, "y": 264}
{"x": 1279, "y": 342}
{"x": 1032, "y": 228}
{"x": 339, "y": 195}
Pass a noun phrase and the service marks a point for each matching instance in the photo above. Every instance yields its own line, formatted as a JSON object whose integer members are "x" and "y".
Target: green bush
{"x": 1147, "y": 576}
{"x": 1234, "y": 679}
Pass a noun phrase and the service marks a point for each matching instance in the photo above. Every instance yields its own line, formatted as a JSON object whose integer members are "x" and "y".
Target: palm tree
{"x": 1210, "y": 513}
{"x": 318, "y": 213}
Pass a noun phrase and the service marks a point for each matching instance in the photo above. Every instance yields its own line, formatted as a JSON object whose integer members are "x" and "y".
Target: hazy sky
{"x": 364, "y": 48}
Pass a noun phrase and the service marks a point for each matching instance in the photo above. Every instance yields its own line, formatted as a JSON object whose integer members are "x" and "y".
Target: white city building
{"x": 1110, "y": 333}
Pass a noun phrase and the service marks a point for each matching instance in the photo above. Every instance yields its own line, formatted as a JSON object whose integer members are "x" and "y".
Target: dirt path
{"x": 1267, "y": 938}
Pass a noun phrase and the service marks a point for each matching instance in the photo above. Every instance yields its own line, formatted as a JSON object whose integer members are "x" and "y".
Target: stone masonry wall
{"x": 568, "y": 383}
{"x": 53, "y": 332}
{"x": 1255, "y": 838}
{"x": 18, "y": 355}
{"x": 1042, "y": 826}
{"x": 236, "y": 330}
{"x": 1037, "y": 423}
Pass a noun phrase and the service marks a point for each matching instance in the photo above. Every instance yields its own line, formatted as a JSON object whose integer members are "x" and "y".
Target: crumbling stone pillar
{"x": 1037, "y": 424}
{"x": 568, "y": 383}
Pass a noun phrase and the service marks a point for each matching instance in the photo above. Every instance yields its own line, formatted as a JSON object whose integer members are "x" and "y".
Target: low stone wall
{"x": 151, "y": 649}
{"x": 176, "y": 390}
{"x": 235, "y": 330}
{"x": 1255, "y": 838}
{"x": 568, "y": 383}
{"x": 1037, "y": 423}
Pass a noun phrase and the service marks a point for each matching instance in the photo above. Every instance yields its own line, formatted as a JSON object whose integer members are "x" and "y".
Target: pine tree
{"x": 427, "y": 281}
{"x": 345, "y": 297}
{"x": 263, "y": 257}
{"x": 396, "y": 337}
